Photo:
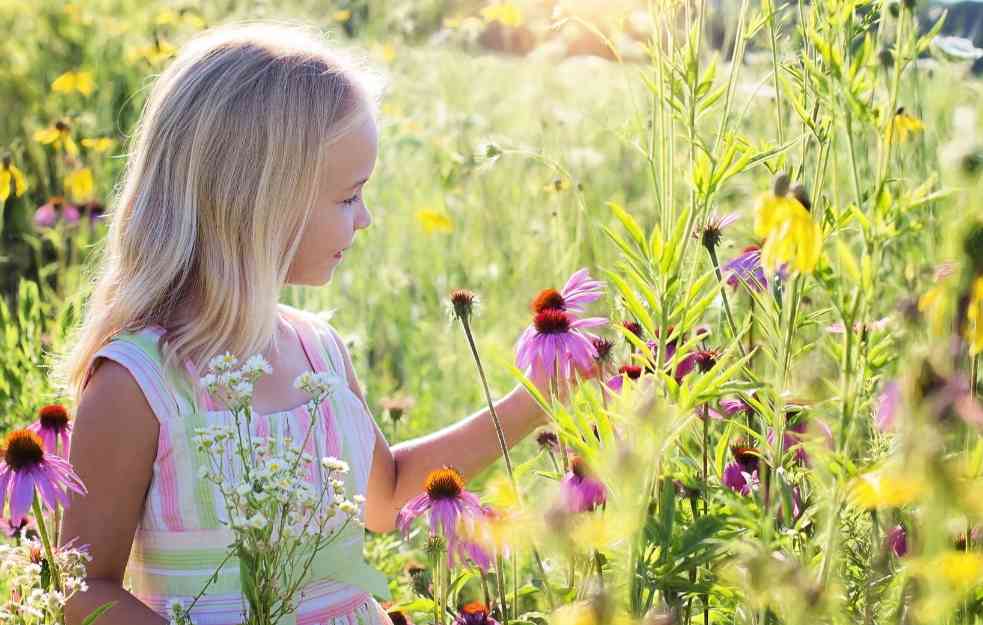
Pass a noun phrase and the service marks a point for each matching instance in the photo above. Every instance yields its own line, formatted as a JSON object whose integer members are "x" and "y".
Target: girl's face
{"x": 339, "y": 209}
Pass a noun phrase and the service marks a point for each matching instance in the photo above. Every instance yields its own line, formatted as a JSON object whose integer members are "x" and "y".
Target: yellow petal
{"x": 5, "y": 178}
{"x": 974, "y": 317}
{"x": 885, "y": 490}
{"x": 84, "y": 84}
{"x": 78, "y": 184}
{"x": 20, "y": 182}
{"x": 342, "y": 15}
{"x": 64, "y": 83}
{"x": 99, "y": 144}
{"x": 46, "y": 135}
{"x": 432, "y": 221}
{"x": 70, "y": 145}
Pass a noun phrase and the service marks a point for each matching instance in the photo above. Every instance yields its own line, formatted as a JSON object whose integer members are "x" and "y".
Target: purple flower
{"x": 448, "y": 504}
{"x": 632, "y": 372}
{"x": 13, "y": 528}
{"x": 741, "y": 475}
{"x": 887, "y": 406}
{"x": 710, "y": 234}
{"x": 45, "y": 216}
{"x": 746, "y": 269}
{"x": 581, "y": 491}
{"x": 579, "y": 291}
{"x": 702, "y": 360}
{"x": 794, "y": 434}
{"x": 897, "y": 541}
{"x": 53, "y": 425}
{"x": 26, "y": 467}
{"x": 554, "y": 344}
{"x": 474, "y": 613}
{"x": 731, "y": 407}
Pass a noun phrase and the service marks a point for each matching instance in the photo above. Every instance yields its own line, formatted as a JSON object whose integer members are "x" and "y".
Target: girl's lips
{"x": 339, "y": 254}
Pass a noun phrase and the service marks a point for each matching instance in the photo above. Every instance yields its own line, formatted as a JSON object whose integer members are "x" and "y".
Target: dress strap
{"x": 323, "y": 357}
{"x": 138, "y": 353}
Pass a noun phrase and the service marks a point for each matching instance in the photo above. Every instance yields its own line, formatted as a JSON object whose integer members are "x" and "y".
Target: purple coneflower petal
{"x": 21, "y": 493}
{"x": 887, "y": 406}
{"x": 414, "y": 508}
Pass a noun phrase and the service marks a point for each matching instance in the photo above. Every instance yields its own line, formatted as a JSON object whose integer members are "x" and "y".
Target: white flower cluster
{"x": 318, "y": 385}
{"x": 25, "y": 577}
{"x": 231, "y": 386}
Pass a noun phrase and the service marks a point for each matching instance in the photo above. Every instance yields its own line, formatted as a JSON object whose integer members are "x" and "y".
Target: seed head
{"x": 547, "y": 439}
{"x": 781, "y": 185}
{"x": 22, "y": 449}
{"x": 53, "y": 417}
{"x": 633, "y": 326}
{"x": 463, "y": 303}
{"x": 547, "y": 299}
{"x": 603, "y": 347}
{"x": 446, "y": 483}
{"x": 552, "y": 321}
{"x": 799, "y": 192}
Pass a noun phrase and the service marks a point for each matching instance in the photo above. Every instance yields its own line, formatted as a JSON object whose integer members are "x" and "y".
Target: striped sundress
{"x": 181, "y": 539}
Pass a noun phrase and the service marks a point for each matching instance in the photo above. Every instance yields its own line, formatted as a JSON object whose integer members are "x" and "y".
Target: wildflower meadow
{"x": 735, "y": 254}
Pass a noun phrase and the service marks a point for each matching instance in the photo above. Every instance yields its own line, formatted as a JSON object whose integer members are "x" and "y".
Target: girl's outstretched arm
{"x": 470, "y": 445}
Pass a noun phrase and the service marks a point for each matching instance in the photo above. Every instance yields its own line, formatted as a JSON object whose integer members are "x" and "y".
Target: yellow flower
{"x": 98, "y": 144}
{"x": 156, "y": 53}
{"x": 9, "y": 173}
{"x": 78, "y": 184}
{"x": 342, "y": 15}
{"x": 974, "y": 317}
{"x": 791, "y": 235}
{"x": 432, "y": 221}
{"x": 580, "y": 613}
{"x": 59, "y": 136}
{"x": 74, "y": 81}
{"x": 901, "y": 126}
{"x": 885, "y": 490}
{"x": 960, "y": 568}
{"x": 505, "y": 12}
{"x": 175, "y": 18}
{"x": 386, "y": 52}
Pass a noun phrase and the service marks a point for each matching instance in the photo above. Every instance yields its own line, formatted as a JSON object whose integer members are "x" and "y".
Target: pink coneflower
{"x": 554, "y": 344}
{"x": 710, "y": 234}
{"x": 581, "y": 490}
{"x": 896, "y": 540}
{"x": 53, "y": 424}
{"x": 632, "y": 372}
{"x": 671, "y": 343}
{"x": 447, "y": 502}
{"x": 26, "y": 467}
{"x": 795, "y": 433}
{"x": 701, "y": 360}
{"x": 741, "y": 475}
{"x": 474, "y": 613}
{"x": 733, "y": 406}
{"x": 13, "y": 528}
{"x": 48, "y": 213}
{"x": 745, "y": 268}
{"x": 579, "y": 291}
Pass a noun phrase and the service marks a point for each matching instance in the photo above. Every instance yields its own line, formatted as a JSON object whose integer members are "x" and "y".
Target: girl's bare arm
{"x": 114, "y": 443}
{"x": 470, "y": 445}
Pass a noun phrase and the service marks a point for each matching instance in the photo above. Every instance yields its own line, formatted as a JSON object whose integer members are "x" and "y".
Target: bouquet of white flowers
{"x": 279, "y": 520}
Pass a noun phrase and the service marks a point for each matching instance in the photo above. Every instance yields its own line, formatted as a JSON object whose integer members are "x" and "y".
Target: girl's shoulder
{"x": 136, "y": 353}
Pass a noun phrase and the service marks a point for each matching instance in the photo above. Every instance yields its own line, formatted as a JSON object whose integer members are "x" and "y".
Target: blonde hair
{"x": 221, "y": 176}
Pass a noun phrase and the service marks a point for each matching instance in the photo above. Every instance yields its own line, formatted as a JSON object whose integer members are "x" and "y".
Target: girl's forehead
{"x": 352, "y": 157}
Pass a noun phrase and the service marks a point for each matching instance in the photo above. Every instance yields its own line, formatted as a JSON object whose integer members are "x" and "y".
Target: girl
{"x": 246, "y": 174}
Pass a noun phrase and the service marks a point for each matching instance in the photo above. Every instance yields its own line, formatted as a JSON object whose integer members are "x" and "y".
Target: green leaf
{"x": 629, "y": 223}
{"x": 89, "y": 620}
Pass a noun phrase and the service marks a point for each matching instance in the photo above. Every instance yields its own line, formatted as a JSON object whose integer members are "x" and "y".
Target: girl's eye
{"x": 350, "y": 200}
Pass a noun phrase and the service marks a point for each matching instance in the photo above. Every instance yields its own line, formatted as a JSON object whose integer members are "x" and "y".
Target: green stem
{"x": 48, "y": 551}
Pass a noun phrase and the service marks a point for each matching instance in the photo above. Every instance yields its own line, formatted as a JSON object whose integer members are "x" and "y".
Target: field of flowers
{"x": 786, "y": 427}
